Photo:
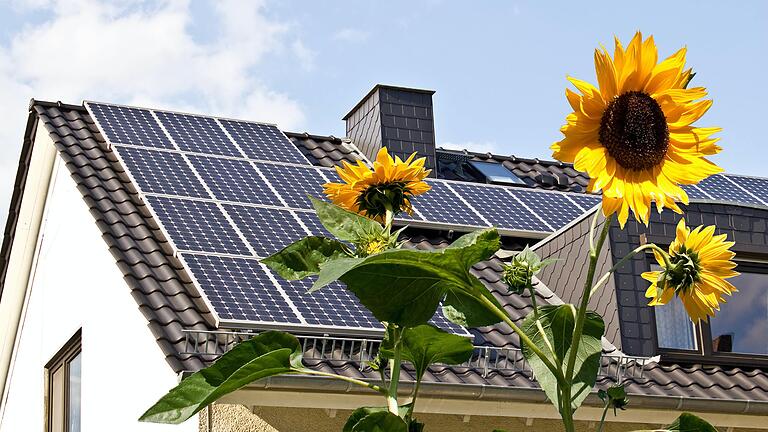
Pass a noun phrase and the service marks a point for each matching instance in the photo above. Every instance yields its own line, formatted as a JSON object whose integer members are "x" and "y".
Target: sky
{"x": 499, "y": 68}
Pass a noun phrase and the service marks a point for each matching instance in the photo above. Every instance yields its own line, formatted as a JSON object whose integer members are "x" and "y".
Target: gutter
{"x": 469, "y": 393}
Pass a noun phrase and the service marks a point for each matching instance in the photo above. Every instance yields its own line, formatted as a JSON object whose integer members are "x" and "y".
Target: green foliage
{"x": 267, "y": 354}
{"x": 687, "y": 422}
{"x": 615, "y": 397}
{"x": 343, "y": 224}
{"x": 553, "y": 334}
{"x": 425, "y": 344}
{"x": 405, "y": 287}
{"x": 375, "y": 419}
{"x": 305, "y": 257}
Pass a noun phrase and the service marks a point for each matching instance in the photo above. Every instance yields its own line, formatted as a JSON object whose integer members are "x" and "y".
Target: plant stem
{"x": 524, "y": 338}
{"x": 344, "y": 378}
{"x": 581, "y": 314}
{"x": 413, "y": 399}
{"x": 602, "y": 418}
{"x": 394, "y": 367}
{"x": 532, "y": 289}
{"x": 637, "y": 250}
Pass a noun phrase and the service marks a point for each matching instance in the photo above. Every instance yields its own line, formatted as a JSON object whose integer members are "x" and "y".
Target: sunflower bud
{"x": 615, "y": 397}
{"x": 370, "y": 243}
{"x": 518, "y": 274}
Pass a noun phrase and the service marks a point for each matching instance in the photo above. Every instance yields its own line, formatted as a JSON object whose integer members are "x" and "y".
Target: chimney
{"x": 397, "y": 118}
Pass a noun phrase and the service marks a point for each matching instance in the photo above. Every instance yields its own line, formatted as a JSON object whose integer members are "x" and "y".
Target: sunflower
{"x": 634, "y": 135}
{"x": 699, "y": 264}
{"x": 388, "y": 186}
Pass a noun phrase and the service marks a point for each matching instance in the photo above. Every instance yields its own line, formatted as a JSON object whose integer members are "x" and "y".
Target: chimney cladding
{"x": 397, "y": 118}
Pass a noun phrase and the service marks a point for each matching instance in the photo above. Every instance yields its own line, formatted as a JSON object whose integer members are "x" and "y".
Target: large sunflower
{"x": 699, "y": 264}
{"x": 388, "y": 186}
{"x": 634, "y": 135}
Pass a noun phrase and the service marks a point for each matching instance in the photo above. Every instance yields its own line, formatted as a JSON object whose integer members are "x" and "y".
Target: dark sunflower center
{"x": 634, "y": 131}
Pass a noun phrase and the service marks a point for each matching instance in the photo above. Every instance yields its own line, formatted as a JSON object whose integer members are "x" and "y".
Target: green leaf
{"x": 342, "y": 223}
{"x": 267, "y": 354}
{"x": 425, "y": 344}
{"x": 688, "y": 422}
{"x": 362, "y": 412}
{"x": 305, "y": 257}
{"x": 405, "y": 286}
{"x": 333, "y": 270}
{"x": 558, "y": 323}
{"x": 467, "y": 310}
{"x": 374, "y": 420}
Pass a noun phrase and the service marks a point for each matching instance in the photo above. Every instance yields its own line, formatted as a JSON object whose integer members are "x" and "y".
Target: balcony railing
{"x": 209, "y": 345}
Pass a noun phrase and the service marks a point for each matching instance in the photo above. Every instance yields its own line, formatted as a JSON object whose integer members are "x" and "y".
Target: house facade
{"x": 130, "y": 259}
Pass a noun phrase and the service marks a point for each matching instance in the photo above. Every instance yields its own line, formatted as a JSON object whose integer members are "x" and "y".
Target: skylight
{"x": 496, "y": 173}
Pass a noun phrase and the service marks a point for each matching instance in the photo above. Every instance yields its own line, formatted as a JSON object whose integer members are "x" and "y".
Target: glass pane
{"x": 74, "y": 394}
{"x": 741, "y": 325}
{"x": 673, "y": 327}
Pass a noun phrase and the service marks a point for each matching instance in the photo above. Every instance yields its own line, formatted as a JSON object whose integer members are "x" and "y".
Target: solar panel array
{"x": 229, "y": 192}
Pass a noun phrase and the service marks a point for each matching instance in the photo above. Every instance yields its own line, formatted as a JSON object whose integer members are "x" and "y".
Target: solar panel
{"x": 554, "y": 208}
{"x": 234, "y": 180}
{"x": 332, "y": 305}
{"x": 197, "y": 226}
{"x": 720, "y": 188}
{"x": 161, "y": 172}
{"x": 239, "y": 289}
{"x": 263, "y": 142}
{"x": 499, "y": 207}
{"x": 757, "y": 186}
{"x": 585, "y": 201}
{"x": 439, "y": 320}
{"x": 134, "y": 126}
{"x": 294, "y": 183}
{"x": 312, "y": 222}
{"x": 694, "y": 192}
{"x": 267, "y": 230}
{"x": 441, "y": 204}
{"x": 197, "y": 134}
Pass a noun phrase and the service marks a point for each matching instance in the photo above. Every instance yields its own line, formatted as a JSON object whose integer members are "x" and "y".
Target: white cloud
{"x": 143, "y": 53}
{"x": 351, "y": 35}
{"x": 305, "y": 55}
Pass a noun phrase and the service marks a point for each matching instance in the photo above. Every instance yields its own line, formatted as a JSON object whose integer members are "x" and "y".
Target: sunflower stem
{"x": 581, "y": 314}
{"x": 394, "y": 367}
{"x": 628, "y": 256}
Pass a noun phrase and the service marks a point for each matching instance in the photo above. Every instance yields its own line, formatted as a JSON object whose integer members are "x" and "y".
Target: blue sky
{"x": 498, "y": 68}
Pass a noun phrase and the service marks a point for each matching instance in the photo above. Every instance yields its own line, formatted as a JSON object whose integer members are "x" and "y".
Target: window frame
{"x": 704, "y": 352}
{"x": 62, "y": 359}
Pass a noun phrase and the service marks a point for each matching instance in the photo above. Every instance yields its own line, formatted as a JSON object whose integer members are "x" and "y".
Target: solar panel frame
{"x": 234, "y": 180}
{"x": 272, "y": 145}
{"x": 553, "y": 207}
{"x": 499, "y": 207}
{"x": 161, "y": 172}
{"x": 444, "y": 206}
{"x": 245, "y": 279}
{"x": 267, "y": 230}
{"x": 196, "y": 225}
{"x": 721, "y": 188}
{"x": 138, "y": 126}
{"x": 292, "y": 183}
{"x": 197, "y": 134}
{"x": 755, "y": 185}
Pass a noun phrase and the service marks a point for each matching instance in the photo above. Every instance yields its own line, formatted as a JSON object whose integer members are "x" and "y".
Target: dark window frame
{"x": 704, "y": 352}
{"x": 71, "y": 349}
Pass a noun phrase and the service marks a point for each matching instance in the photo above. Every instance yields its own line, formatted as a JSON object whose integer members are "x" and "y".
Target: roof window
{"x": 496, "y": 173}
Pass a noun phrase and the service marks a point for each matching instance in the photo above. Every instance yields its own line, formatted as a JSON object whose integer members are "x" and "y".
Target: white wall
{"x": 76, "y": 283}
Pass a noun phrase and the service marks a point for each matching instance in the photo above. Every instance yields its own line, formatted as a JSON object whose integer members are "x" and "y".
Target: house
{"x": 129, "y": 260}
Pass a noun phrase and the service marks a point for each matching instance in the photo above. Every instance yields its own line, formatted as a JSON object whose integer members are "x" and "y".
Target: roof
{"x": 168, "y": 300}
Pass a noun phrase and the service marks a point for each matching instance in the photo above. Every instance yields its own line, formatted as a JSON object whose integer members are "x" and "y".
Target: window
{"x": 496, "y": 173}
{"x": 736, "y": 334}
{"x": 63, "y": 374}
